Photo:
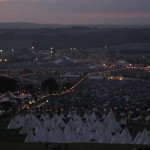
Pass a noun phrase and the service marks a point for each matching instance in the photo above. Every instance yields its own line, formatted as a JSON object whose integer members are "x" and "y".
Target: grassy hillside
{"x": 72, "y": 37}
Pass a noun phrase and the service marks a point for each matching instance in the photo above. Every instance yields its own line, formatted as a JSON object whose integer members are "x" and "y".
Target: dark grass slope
{"x": 78, "y": 37}
{"x": 81, "y": 146}
{"x": 11, "y": 136}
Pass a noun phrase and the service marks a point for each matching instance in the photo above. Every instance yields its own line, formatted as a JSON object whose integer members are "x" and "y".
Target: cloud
{"x": 49, "y": 11}
{"x": 93, "y": 5}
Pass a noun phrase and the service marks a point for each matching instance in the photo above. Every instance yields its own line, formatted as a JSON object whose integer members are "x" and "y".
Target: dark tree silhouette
{"x": 6, "y": 105}
{"x": 26, "y": 71}
{"x": 7, "y": 84}
{"x": 28, "y": 87}
{"x": 49, "y": 85}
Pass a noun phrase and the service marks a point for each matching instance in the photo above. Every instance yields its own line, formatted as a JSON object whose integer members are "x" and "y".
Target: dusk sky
{"x": 76, "y": 11}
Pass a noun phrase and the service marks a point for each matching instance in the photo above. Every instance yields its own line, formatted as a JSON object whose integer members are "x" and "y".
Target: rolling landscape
{"x": 74, "y": 75}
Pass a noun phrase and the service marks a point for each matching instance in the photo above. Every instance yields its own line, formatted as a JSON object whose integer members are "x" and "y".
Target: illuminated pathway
{"x": 30, "y": 105}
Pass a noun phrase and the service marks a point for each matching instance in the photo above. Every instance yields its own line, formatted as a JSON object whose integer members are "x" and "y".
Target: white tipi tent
{"x": 116, "y": 138}
{"x": 147, "y": 141}
{"x": 30, "y": 137}
{"x": 138, "y": 136}
{"x": 13, "y": 124}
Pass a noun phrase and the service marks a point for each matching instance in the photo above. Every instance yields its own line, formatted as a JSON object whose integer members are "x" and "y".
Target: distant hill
{"x": 72, "y": 37}
{"x": 23, "y": 25}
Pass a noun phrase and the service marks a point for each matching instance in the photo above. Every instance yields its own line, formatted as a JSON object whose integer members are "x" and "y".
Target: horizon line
{"x": 74, "y": 24}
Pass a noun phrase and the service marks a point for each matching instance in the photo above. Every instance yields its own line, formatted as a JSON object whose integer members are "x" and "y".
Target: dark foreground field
{"x": 81, "y": 146}
{"x": 11, "y": 140}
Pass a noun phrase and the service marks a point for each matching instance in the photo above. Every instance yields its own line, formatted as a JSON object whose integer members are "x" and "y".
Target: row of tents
{"x": 10, "y": 97}
{"x": 76, "y": 129}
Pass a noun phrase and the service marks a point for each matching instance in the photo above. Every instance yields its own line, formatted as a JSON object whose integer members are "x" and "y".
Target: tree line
{"x": 48, "y": 85}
